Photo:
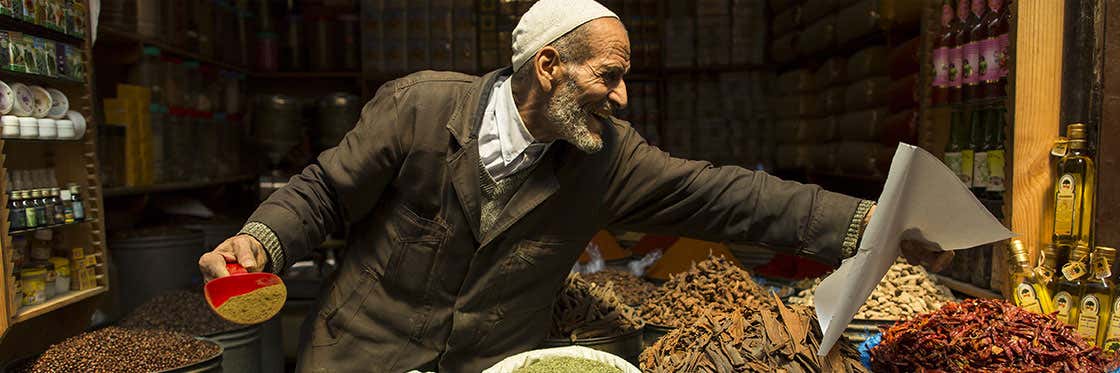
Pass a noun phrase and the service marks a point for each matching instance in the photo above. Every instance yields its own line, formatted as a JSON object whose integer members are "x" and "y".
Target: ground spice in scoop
{"x": 254, "y": 307}
{"x": 567, "y": 364}
{"x": 782, "y": 339}
{"x": 584, "y": 310}
{"x": 715, "y": 283}
{"x": 984, "y": 335}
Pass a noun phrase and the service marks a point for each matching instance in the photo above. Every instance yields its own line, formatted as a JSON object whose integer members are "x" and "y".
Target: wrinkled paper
{"x": 922, "y": 200}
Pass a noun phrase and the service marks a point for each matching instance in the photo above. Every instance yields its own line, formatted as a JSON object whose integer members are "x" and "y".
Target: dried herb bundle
{"x": 982, "y": 335}
{"x": 785, "y": 340}
{"x": 633, "y": 290}
{"x": 715, "y": 283}
{"x": 906, "y": 291}
{"x": 585, "y": 310}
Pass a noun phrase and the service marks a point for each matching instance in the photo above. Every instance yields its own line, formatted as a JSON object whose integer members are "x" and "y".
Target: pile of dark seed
{"x": 180, "y": 311}
{"x": 632, "y": 289}
{"x": 115, "y": 349}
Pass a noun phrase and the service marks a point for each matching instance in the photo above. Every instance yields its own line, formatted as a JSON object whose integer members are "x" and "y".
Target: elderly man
{"x": 468, "y": 199}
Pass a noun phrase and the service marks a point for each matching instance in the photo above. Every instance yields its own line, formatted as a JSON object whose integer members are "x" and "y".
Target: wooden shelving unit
{"x": 33, "y": 328}
{"x": 173, "y": 187}
{"x": 110, "y": 35}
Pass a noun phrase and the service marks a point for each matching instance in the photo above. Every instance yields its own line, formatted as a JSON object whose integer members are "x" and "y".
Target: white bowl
{"x": 59, "y": 104}
{"x": 7, "y": 98}
{"x": 42, "y": 101}
{"x": 79, "y": 123}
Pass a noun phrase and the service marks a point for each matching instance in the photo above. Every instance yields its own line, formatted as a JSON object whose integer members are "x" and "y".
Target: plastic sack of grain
{"x": 512, "y": 363}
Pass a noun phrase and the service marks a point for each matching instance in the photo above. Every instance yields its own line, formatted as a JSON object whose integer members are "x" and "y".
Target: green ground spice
{"x": 565, "y": 364}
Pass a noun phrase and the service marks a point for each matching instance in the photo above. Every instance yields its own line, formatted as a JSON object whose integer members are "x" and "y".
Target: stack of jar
{"x": 36, "y": 201}
{"x": 37, "y": 113}
{"x": 195, "y": 110}
{"x": 41, "y": 276}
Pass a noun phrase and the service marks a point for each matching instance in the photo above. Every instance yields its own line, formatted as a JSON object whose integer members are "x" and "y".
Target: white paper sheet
{"x": 921, "y": 200}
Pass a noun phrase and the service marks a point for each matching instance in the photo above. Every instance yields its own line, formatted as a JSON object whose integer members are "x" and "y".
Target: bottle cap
{"x": 1019, "y": 253}
{"x": 1076, "y": 131}
{"x": 1079, "y": 252}
{"x": 1107, "y": 252}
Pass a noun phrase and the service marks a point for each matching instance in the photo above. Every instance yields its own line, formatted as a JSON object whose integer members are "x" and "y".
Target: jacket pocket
{"x": 338, "y": 313}
{"x": 416, "y": 244}
{"x": 533, "y": 275}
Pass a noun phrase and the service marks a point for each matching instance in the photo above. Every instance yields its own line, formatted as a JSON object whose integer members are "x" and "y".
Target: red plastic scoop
{"x": 246, "y": 298}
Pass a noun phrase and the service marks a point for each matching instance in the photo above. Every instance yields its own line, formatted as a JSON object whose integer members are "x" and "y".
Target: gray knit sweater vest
{"x": 496, "y": 194}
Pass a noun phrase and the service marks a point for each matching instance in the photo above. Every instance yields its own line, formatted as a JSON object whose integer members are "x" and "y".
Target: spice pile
{"x": 180, "y": 311}
{"x": 114, "y": 349}
{"x": 785, "y": 340}
{"x": 566, "y": 364}
{"x": 985, "y": 335}
{"x": 633, "y": 290}
{"x": 585, "y": 310}
{"x": 906, "y": 291}
{"x": 714, "y": 283}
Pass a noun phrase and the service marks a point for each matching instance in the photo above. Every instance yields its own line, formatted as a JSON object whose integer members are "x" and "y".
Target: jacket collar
{"x": 467, "y": 118}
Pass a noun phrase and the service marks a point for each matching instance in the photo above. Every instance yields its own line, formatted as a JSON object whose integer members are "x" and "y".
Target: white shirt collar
{"x": 513, "y": 137}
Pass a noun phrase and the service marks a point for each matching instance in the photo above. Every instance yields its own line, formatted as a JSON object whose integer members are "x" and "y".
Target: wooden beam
{"x": 1036, "y": 88}
{"x": 1107, "y": 221}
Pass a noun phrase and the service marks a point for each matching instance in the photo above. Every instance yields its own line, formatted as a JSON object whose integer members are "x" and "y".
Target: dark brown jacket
{"x": 420, "y": 287}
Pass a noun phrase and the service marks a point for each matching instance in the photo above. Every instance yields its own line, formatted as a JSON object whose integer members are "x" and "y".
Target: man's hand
{"x": 921, "y": 253}
{"x": 242, "y": 248}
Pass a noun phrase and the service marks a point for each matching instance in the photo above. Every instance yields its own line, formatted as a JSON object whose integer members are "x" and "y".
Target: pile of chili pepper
{"x": 983, "y": 335}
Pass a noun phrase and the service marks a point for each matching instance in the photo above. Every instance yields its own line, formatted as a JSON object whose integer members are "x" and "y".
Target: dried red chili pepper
{"x": 980, "y": 335}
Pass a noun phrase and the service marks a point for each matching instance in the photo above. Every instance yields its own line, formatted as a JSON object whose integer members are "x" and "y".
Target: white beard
{"x": 571, "y": 122}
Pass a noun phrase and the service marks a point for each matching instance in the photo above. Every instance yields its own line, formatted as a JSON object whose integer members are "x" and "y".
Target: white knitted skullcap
{"x": 548, "y": 20}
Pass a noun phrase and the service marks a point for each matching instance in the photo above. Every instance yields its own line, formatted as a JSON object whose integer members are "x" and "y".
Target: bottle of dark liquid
{"x": 997, "y": 157}
{"x": 48, "y": 207}
{"x": 16, "y": 218}
{"x": 979, "y": 154}
{"x": 974, "y": 63}
{"x": 40, "y": 209}
{"x": 956, "y": 54}
{"x": 994, "y": 79}
{"x": 59, "y": 210}
{"x": 944, "y": 69}
{"x": 28, "y": 209}
{"x": 76, "y": 202}
{"x": 958, "y": 156}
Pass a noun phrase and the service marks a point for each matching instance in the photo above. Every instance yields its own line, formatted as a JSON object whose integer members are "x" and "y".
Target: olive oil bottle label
{"x": 966, "y": 167}
{"x": 1088, "y": 320}
{"x": 953, "y": 161}
{"x": 996, "y": 173}
{"x": 1073, "y": 270}
{"x": 1112, "y": 336}
{"x": 1065, "y": 211}
{"x": 1063, "y": 303}
{"x": 1061, "y": 147}
{"x": 1026, "y": 298}
{"x": 980, "y": 170}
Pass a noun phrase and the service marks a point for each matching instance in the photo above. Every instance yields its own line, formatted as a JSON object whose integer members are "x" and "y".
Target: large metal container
{"x": 627, "y": 346}
{"x": 151, "y": 261}
{"x": 212, "y": 364}
{"x": 214, "y": 233}
{"x": 276, "y": 125}
{"x": 651, "y": 333}
{"x": 242, "y": 349}
{"x": 338, "y": 113}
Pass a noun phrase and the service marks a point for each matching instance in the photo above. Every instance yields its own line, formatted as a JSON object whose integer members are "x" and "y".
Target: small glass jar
{"x": 62, "y": 269}
{"x": 33, "y": 285}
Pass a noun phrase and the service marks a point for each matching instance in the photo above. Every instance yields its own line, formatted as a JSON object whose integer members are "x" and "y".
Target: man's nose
{"x": 618, "y": 95}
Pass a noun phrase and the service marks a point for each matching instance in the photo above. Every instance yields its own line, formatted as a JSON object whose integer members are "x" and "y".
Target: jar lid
{"x": 33, "y": 270}
{"x": 59, "y": 261}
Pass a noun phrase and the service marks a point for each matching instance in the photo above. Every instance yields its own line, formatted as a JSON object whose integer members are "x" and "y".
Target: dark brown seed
{"x": 115, "y": 349}
{"x": 180, "y": 311}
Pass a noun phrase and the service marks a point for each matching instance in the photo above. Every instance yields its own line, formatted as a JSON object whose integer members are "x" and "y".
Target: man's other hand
{"x": 926, "y": 254}
{"x": 242, "y": 249}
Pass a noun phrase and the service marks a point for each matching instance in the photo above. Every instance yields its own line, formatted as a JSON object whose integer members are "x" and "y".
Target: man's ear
{"x": 548, "y": 67}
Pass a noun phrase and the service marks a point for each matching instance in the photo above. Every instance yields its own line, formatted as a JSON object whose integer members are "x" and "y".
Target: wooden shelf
{"x": 30, "y": 312}
{"x": 19, "y": 25}
{"x": 172, "y": 187}
{"x": 108, "y": 34}
{"x": 308, "y": 75}
{"x": 48, "y": 227}
{"x": 67, "y": 141}
{"x": 966, "y": 288}
{"x": 10, "y": 77}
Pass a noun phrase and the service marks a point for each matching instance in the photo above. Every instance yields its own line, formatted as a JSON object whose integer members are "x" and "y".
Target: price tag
{"x": 1102, "y": 269}
{"x": 1061, "y": 147}
{"x": 1073, "y": 270}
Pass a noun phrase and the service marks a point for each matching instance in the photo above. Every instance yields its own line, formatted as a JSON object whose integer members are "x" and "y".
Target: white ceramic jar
{"x": 11, "y": 126}
{"x": 28, "y": 128}
{"x": 48, "y": 130}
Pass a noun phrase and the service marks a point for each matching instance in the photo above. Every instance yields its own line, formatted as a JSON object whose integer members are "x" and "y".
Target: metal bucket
{"x": 860, "y": 330}
{"x": 277, "y": 125}
{"x": 242, "y": 349}
{"x": 338, "y": 113}
{"x": 150, "y": 262}
{"x": 214, "y": 233}
{"x": 627, "y": 346}
{"x": 211, "y": 364}
{"x": 651, "y": 333}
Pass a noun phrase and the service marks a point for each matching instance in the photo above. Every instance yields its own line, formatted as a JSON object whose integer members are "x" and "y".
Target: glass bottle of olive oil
{"x": 1096, "y": 301}
{"x": 1030, "y": 291}
{"x": 1111, "y": 340}
{"x": 1073, "y": 191}
{"x": 1068, "y": 290}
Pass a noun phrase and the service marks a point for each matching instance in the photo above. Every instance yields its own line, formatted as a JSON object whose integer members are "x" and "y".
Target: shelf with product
{"x": 42, "y": 166}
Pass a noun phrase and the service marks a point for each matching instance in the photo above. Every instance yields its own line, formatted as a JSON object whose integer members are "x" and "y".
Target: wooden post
{"x": 1107, "y": 222}
{"x": 1036, "y": 88}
